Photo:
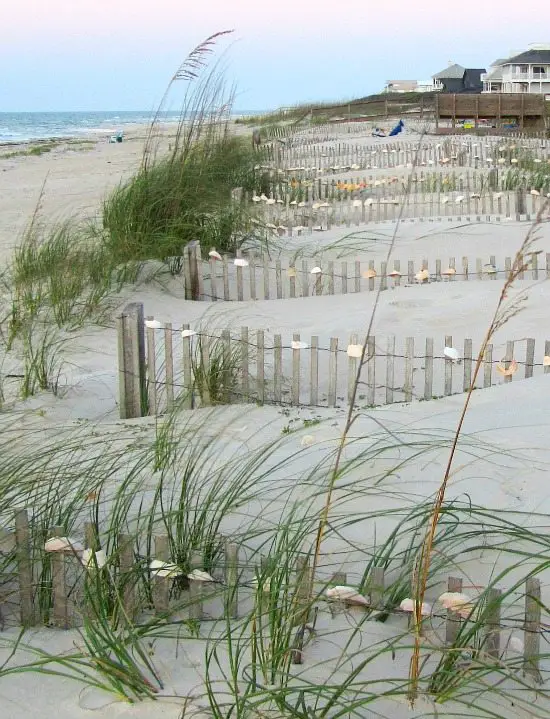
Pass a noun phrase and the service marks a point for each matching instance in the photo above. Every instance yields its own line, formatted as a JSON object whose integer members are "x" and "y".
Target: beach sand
{"x": 512, "y": 417}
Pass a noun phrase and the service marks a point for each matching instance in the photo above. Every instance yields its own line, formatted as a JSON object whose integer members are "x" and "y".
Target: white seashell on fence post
{"x": 153, "y": 324}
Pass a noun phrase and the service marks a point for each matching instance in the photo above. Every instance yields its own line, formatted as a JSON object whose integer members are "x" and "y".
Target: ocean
{"x": 27, "y": 126}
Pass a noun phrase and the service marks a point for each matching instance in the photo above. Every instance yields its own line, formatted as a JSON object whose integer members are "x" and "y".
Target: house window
{"x": 540, "y": 71}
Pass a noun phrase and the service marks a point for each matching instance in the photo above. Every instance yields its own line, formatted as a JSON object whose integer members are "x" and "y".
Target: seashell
{"x": 291, "y": 272}
{"x": 297, "y": 345}
{"x": 369, "y": 274}
{"x": 451, "y": 353}
{"x": 307, "y": 440}
{"x": 501, "y": 160}
{"x": 280, "y": 202}
{"x": 490, "y": 269}
{"x": 422, "y": 276}
{"x": 512, "y": 369}
{"x": 546, "y": 361}
{"x": 395, "y": 273}
{"x": 348, "y": 595}
{"x": 91, "y": 559}
{"x": 407, "y": 605}
{"x": 449, "y": 271}
{"x": 255, "y": 198}
{"x": 355, "y": 350}
{"x": 316, "y": 271}
{"x": 514, "y": 160}
{"x": 315, "y": 206}
{"x": 535, "y": 193}
{"x": 293, "y": 202}
{"x": 301, "y": 204}
{"x": 164, "y": 570}
{"x": 63, "y": 544}
{"x": 197, "y": 575}
{"x": 263, "y": 198}
{"x": 214, "y": 255}
{"x": 270, "y": 201}
{"x": 240, "y": 262}
{"x": 188, "y": 333}
{"x": 457, "y": 602}
{"x": 153, "y": 324}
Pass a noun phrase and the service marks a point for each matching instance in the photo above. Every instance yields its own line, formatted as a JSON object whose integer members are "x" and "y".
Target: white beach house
{"x": 524, "y": 72}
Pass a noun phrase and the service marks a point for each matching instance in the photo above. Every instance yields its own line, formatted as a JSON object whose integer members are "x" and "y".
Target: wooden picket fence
{"x": 305, "y": 184}
{"x": 464, "y": 152}
{"x": 229, "y": 593}
{"x": 287, "y": 216}
{"x": 161, "y": 366}
{"x": 260, "y": 278}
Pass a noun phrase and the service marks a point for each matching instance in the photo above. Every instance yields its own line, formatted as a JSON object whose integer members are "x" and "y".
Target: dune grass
{"x": 185, "y": 194}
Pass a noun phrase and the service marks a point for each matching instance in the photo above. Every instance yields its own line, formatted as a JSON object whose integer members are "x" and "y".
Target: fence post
{"x": 24, "y": 566}
{"x": 161, "y": 585}
{"x": 193, "y": 279}
{"x": 196, "y": 589}
{"x": 390, "y": 355}
{"x": 60, "y": 614}
{"x": 92, "y": 543}
{"x": 452, "y": 623}
{"x": 520, "y": 203}
{"x": 126, "y": 569}
{"x": 448, "y": 390}
{"x": 492, "y": 632}
{"x": 232, "y": 579}
{"x": 532, "y": 629}
{"x": 131, "y": 361}
{"x": 376, "y": 585}
{"x": 303, "y": 584}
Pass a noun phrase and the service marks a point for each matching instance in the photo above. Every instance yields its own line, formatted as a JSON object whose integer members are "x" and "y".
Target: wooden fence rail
{"x": 194, "y": 368}
{"x": 260, "y": 278}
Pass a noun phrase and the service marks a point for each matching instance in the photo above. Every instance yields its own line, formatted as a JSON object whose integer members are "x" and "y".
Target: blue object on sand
{"x": 397, "y": 129}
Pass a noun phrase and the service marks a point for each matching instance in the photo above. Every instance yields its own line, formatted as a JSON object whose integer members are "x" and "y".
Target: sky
{"x": 120, "y": 54}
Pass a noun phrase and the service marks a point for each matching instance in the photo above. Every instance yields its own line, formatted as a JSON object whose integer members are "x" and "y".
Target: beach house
{"x": 457, "y": 79}
{"x": 524, "y": 72}
{"x": 402, "y": 86}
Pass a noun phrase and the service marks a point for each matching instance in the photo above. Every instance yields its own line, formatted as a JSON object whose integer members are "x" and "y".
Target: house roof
{"x": 499, "y": 62}
{"x": 453, "y": 72}
{"x": 496, "y": 74}
{"x": 530, "y": 57}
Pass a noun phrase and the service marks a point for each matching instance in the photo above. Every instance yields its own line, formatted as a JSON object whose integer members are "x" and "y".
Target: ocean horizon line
{"x": 21, "y": 126}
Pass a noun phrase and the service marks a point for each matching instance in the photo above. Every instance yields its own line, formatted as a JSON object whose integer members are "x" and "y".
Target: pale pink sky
{"x": 118, "y": 54}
